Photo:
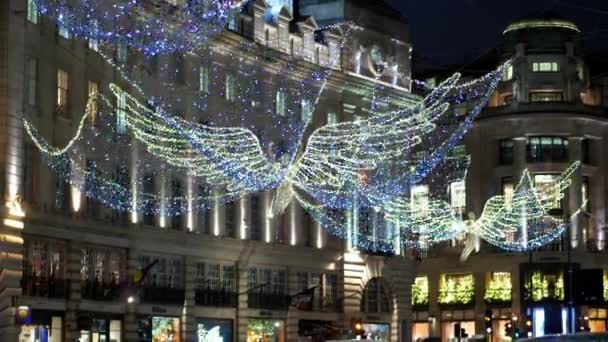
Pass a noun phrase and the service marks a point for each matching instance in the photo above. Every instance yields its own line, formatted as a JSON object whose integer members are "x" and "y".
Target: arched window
{"x": 375, "y": 297}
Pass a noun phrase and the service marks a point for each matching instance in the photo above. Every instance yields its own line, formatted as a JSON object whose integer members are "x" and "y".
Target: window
{"x": 256, "y": 218}
{"x": 44, "y": 259}
{"x": 586, "y": 150}
{"x": 551, "y": 191}
{"x": 94, "y": 40}
{"x": 230, "y": 91}
{"x": 101, "y": 265}
{"x": 231, "y": 221}
{"x": 122, "y": 53}
{"x": 93, "y": 93}
{"x": 498, "y": 287}
{"x": 267, "y": 281}
{"x": 63, "y": 28}
{"x": 505, "y": 151}
{"x": 233, "y": 22}
{"x": 420, "y": 291}
{"x": 203, "y": 80}
{"x": 167, "y": 273}
{"x": 420, "y": 199}
{"x": 456, "y": 289}
{"x": 30, "y": 171}
{"x": 458, "y": 195}
{"x": 63, "y": 82}
{"x": 32, "y": 81}
{"x": 32, "y": 12}
{"x": 508, "y": 190}
{"x": 545, "y": 67}
{"x": 375, "y": 297}
{"x": 121, "y": 114}
{"x": 546, "y": 96}
{"x": 332, "y": 118}
{"x": 508, "y": 74}
{"x": 547, "y": 149}
{"x": 307, "y": 110}
{"x": 281, "y": 102}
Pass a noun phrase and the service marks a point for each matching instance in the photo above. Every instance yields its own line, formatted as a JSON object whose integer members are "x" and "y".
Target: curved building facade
{"x": 545, "y": 114}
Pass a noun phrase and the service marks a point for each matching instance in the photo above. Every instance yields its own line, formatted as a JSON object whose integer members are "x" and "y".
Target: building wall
{"x": 32, "y": 219}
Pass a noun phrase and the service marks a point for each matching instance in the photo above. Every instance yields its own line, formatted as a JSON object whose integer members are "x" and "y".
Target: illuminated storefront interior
{"x": 421, "y": 331}
{"x": 42, "y": 331}
{"x": 214, "y": 330}
{"x": 265, "y": 330}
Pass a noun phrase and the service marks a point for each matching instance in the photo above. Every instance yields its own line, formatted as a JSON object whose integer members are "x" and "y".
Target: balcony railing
{"x": 94, "y": 290}
{"x": 44, "y": 287}
{"x": 218, "y": 298}
{"x": 270, "y": 301}
{"x": 163, "y": 295}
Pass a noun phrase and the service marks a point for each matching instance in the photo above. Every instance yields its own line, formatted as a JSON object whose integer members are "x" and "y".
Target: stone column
{"x": 480, "y": 305}
{"x": 242, "y": 305}
{"x": 575, "y": 194}
{"x": 188, "y": 320}
{"x": 434, "y": 310}
{"x": 130, "y": 321}
{"x": 519, "y": 158}
{"x": 72, "y": 277}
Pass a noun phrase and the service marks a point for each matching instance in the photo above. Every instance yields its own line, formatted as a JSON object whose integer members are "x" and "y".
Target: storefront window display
{"x": 214, "y": 330}
{"x": 159, "y": 329}
{"x": 377, "y": 331}
{"x": 265, "y": 330}
{"x": 42, "y": 332}
{"x": 101, "y": 330}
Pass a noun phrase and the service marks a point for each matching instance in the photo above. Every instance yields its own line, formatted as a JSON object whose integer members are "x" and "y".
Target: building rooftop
{"x": 542, "y": 20}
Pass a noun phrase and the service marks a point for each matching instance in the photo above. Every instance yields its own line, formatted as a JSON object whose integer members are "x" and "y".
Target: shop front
{"x": 100, "y": 328}
{"x": 377, "y": 331}
{"x": 39, "y": 325}
{"x": 421, "y": 331}
{"x": 159, "y": 329}
{"x": 266, "y": 330}
{"x": 317, "y": 331}
{"x": 214, "y": 330}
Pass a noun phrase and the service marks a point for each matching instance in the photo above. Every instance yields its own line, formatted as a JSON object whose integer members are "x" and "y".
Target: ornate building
{"x": 548, "y": 111}
{"x": 230, "y": 271}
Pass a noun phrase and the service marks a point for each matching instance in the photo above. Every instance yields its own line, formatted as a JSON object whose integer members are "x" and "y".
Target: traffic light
{"x": 357, "y": 325}
{"x": 516, "y": 333}
{"x": 528, "y": 328}
{"x": 487, "y": 319}
{"x": 509, "y": 329}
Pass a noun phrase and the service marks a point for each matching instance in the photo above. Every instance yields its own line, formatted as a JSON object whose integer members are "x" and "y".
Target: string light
{"x": 152, "y": 27}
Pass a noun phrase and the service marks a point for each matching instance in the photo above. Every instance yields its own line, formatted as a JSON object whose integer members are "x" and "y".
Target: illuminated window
{"x": 547, "y": 186}
{"x": 307, "y": 110}
{"x": 507, "y": 190}
{"x": 375, "y": 297}
{"x": 545, "y": 67}
{"x": 63, "y": 89}
{"x": 93, "y": 93}
{"x": 420, "y": 291}
{"x": 456, "y": 289}
{"x": 458, "y": 195}
{"x": 420, "y": 198}
{"x": 546, "y": 96}
{"x": 332, "y": 118}
{"x": 32, "y": 12}
{"x": 63, "y": 28}
{"x": 122, "y": 53}
{"x": 203, "y": 80}
{"x": 230, "y": 91}
{"x": 505, "y": 151}
{"x": 547, "y": 149}
{"x": 606, "y": 286}
{"x": 541, "y": 286}
{"x": 498, "y": 287}
{"x": 508, "y": 74}
{"x": 281, "y": 102}
{"x": 121, "y": 114}
{"x": 94, "y": 40}
{"x": 32, "y": 81}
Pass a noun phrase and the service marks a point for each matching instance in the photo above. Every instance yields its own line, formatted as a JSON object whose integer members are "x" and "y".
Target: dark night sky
{"x": 452, "y": 31}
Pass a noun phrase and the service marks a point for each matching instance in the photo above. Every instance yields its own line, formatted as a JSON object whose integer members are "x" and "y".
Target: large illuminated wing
{"x": 226, "y": 157}
{"x": 523, "y": 221}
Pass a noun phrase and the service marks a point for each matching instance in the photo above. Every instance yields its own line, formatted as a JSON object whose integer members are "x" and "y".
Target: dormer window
{"x": 545, "y": 67}
{"x": 508, "y": 74}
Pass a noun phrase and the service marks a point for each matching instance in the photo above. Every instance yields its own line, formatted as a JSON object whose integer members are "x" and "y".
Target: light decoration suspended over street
{"x": 153, "y": 27}
{"x": 524, "y": 222}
